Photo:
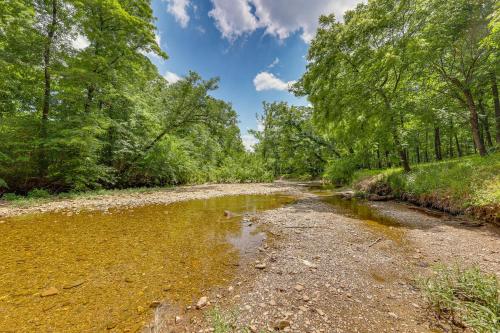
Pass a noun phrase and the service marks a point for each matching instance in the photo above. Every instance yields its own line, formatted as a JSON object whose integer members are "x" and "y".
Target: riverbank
{"x": 340, "y": 266}
{"x": 469, "y": 185}
{"x": 133, "y": 198}
{"x": 326, "y": 265}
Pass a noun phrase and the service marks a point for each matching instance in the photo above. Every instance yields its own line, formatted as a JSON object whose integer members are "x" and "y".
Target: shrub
{"x": 10, "y": 196}
{"x": 38, "y": 194}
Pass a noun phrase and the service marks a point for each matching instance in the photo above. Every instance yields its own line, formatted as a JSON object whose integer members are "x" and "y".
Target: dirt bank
{"x": 325, "y": 272}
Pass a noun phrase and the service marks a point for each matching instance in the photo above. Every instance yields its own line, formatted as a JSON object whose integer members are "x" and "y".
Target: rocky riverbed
{"x": 326, "y": 265}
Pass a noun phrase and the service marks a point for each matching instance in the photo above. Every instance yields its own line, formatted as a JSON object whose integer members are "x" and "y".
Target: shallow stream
{"x": 102, "y": 270}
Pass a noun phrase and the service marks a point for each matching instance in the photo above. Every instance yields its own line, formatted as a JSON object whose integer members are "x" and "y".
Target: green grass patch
{"x": 463, "y": 182}
{"x": 464, "y": 297}
{"x": 226, "y": 322}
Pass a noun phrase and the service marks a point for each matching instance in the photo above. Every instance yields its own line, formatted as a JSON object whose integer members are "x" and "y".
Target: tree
{"x": 452, "y": 39}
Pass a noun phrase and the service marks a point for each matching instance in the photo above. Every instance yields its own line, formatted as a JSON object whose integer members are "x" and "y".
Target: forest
{"x": 73, "y": 119}
{"x": 395, "y": 83}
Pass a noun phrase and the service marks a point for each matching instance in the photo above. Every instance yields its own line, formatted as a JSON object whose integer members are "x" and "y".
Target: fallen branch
{"x": 375, "y": 242}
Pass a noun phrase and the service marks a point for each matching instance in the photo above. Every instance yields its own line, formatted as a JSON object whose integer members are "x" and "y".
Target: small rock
{"x": 260, "y": 266}
{"x": 49, "y": 292}
{"x": 309, "y": 264}
{"x": 299, "y": 287}
{"x": 393, "y": 315}
{"x": 167, "y": 288}
{"x": 202, "y": 302}
{"x": 281, "y": 324}
{"x": 154, "y": 304}
{"x": 320, "y": 312}
{"x": 230, "y": 289}
{"x": 305, "y": 298}
{"x": 178, "y": 319}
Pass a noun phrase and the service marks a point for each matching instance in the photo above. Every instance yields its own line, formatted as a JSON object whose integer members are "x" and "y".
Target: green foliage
{"x": 10, "y": 196}
{"x": 222, "y": 322}
{"x": 466, "y": 296}
{"x": 404, "y": 82}
{"x": 75, "y": 118}
{"x": 289, "y": 143}
{"x": 461, "y": 183}
{"x": 245, "y": 168}
{"x": 38, "y": 194}
{"x": 341, "y": 171}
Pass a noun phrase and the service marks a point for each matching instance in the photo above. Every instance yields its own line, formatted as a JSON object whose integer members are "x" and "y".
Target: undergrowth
{"x": 226, "y": 322}
{"x": 463, "y": 182}
{"x": 466, "y": 298}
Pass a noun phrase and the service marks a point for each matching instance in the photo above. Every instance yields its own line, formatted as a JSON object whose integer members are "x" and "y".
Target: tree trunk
{"x": 401, "y": 151}
{"x": 485, "y": 124}
{"x": 474, "y": 122}
{"x": 379, "y": 161}
{"x": 387, "y": 159}
{"x": 89, "y": 99}
{"x": 459, "y": 149}
{"x": 426, "y": 153}
{"x": 437, "y": 144}
{"x": 417, "y": 153}
{"x": 496, "y": 102}
{"x": 51, "y": 30}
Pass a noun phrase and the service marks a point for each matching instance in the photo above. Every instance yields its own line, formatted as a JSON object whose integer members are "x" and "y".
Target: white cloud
{"x": 268, "y": 81}
{"x": 274, "y": 63}
{"x": 80, "y": 42}
{"x": 249, "y": 141}
{"x": 172, "y": 77}
{"x": 178, "y": 8}
{"x": 279, "y": 18}
{"x": 233, "y": 18}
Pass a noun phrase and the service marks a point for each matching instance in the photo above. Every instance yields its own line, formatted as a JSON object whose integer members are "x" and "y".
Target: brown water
{"x": 361, "y": 210}
{"x": 108, "y": 267}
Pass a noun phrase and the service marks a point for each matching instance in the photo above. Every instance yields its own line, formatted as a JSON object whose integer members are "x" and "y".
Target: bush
{"x": 38, "y": 194}
{"x": 10, "y": 196}
{"x": 464, "y": 297}
{"x": 341, "y": 171}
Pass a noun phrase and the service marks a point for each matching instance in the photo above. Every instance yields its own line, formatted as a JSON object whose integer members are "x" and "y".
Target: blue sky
{"x": 256, "y": 47}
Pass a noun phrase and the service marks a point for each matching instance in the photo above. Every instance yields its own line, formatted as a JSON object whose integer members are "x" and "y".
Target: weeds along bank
{"x": 468, "y": 185}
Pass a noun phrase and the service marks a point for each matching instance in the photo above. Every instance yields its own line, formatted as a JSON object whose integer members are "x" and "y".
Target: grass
{"x": 464, "y": 297}
{"x": 462, "y": 183}
{"x": 226, "y": 322}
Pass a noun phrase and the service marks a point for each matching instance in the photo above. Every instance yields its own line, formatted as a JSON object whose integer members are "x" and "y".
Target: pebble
{"x": 49, "y": 292}
{"x": 299, "y": 287}
{"x": 260, "y": 266}
{"x": 202, "y": 302}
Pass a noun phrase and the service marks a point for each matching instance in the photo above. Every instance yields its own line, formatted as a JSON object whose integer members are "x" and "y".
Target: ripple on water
{"x": 108, "y": 267}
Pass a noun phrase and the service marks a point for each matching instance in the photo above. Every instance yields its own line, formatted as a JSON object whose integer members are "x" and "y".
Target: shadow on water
{"x": 108, "y": 267}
